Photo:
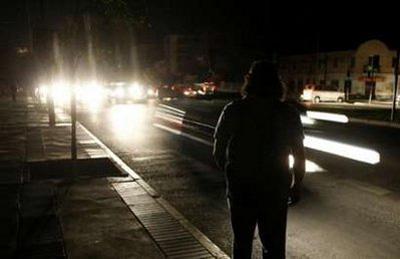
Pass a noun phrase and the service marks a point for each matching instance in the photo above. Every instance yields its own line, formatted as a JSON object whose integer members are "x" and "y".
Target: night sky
{"x": 283, "y": 26}
{"x": 288, "y": 26}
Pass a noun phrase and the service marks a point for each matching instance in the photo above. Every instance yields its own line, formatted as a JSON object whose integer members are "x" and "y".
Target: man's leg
{"x": 272, "y": 221}
{"x": 243, "y": 220}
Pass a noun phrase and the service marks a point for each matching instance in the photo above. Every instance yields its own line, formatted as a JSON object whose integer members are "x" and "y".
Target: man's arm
{"x": 298, "y": 153}
{"x": 222, "y": 135}
{"x": 299, "y": 160}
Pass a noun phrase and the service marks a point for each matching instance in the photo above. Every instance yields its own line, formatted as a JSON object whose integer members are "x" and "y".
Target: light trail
{"x": 311, "y": 167}
{"x": 361, "y": 154}
{"x": 305, "y": 120}
{"x": 326, "y": 116}
{"x": 352, "y": 152}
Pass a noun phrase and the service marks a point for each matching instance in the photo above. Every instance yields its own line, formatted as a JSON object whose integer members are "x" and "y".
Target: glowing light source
{"x": 326, "y": 116}
{"x": 341, "y": 149}
{"x": 60, "y": 92}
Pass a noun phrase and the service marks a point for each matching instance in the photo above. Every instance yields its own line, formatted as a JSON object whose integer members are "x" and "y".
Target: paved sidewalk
{"x": 95, "y": 207}
{"x": 53, "y": 208}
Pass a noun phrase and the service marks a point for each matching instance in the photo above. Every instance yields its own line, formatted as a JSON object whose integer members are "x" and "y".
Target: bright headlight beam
{"x": 364, "y": 155}
{"x": 326, "y": 116}
{"x": 60, "y": 92}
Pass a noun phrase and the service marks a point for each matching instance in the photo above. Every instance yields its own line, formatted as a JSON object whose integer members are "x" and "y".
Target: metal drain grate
{"x": 173, "y": 239}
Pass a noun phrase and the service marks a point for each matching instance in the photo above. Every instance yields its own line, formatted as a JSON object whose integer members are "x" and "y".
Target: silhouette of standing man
{"x": 253, "y": 140}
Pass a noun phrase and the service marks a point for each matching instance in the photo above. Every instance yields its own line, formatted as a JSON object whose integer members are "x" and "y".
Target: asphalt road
{"x": 349, "y": 209}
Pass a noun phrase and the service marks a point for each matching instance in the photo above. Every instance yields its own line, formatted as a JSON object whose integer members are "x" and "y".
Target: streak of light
{"x": 329, "y": 146}
{"x": 169, "y": 118}
{"x": 326, "y": 116}
{"x": 311, "y": 167}
{"x": 172, "y": 108}
{"x": 164, "y": 110}
{"x": 305, "y": 120}
{"x": 365, "y": 155}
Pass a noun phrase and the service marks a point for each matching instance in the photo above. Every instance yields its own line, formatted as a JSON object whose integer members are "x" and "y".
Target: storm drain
{"x": 173, "y": 239}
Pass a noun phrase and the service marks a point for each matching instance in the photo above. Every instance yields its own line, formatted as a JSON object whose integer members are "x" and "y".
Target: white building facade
{"x": 365, "y": 71}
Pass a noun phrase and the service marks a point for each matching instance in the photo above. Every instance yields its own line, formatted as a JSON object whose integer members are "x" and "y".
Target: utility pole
{"x": 396, "y": 78}
{"x": 74, "y": 152}
{"x": 73, "y": 124}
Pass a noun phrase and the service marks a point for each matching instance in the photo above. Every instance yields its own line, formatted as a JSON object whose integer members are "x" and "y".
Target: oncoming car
{"x": 318, "y": 94}
{"x": 122, "y": 92}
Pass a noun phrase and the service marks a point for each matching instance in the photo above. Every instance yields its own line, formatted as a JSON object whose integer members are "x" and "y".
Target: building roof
{"x": 344, "y": 46}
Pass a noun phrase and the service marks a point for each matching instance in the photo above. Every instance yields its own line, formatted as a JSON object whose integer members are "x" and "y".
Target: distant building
{"x": 367, "y": 70}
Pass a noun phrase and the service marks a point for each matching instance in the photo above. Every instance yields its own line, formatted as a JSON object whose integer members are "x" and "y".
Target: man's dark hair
{"x": 263, "y": 81}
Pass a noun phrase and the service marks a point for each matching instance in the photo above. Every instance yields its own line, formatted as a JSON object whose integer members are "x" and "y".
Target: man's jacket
{"x": 253, "y": 140}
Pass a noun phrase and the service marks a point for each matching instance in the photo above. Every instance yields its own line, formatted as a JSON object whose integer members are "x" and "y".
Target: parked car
{"x": 318, "y": 94}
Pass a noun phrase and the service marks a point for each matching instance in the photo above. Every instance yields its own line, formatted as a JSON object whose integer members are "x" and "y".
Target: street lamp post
{"x": 50, "y": 107}
{"x": 396, "y": 78}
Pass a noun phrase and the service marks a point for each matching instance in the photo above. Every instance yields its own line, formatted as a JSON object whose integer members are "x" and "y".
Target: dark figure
{"x": 253, "y": 140}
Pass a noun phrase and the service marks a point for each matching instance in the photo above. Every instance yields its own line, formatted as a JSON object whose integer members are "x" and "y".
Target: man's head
{"x": 263, "y": 81}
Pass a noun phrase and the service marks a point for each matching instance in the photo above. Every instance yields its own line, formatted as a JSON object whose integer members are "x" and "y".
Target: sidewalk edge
{"x": 197, "y": 234}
